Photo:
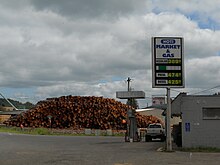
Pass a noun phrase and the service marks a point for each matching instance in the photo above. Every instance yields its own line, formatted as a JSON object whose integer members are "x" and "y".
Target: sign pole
{"x": 168, "y": 71}
{"x": 168, "y": 123}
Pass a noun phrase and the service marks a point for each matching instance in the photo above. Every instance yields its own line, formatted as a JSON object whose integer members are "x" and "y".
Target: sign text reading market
{"x": 167, "y": 44}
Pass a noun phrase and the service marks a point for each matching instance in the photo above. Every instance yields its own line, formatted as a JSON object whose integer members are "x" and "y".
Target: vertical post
{"x": 129, "y": 89}
{"x": 168, "y": 125}
{"x": 128, "y": 115}
{"x": 128, "y": 80}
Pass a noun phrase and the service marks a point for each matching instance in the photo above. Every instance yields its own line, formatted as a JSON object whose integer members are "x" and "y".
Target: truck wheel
{"x": 147, "y": 139}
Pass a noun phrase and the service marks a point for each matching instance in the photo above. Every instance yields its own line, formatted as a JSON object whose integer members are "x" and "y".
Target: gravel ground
{"x": 92, "y": 150}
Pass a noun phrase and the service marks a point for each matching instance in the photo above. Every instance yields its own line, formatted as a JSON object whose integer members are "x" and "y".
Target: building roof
{"x": 17, "y": 112}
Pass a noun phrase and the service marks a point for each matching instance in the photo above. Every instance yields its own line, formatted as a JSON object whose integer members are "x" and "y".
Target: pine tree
{"x": 133, "y": 102}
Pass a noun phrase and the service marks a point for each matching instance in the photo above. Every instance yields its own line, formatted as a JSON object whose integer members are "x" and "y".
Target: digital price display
{"x": 167, "y": 62}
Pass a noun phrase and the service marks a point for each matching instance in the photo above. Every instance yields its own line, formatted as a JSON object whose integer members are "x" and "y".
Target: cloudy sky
{"x": 50, "y": 48}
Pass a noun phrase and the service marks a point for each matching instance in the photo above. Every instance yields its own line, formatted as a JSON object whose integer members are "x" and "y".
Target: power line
{"x": 206, "y": 90}
{"x": 175, "y": 90}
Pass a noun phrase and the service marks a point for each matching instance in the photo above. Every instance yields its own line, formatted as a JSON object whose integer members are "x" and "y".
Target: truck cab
{"x": 155, "y": 131}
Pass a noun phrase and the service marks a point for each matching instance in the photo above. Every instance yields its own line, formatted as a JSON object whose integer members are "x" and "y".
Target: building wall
{"x": 158, "y": 100}
{"x": 3, "y": 108}
{"x": 176, "y": 104}
{"x": 196, "y": 131}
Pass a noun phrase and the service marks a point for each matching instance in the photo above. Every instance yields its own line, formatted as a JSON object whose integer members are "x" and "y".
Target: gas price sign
{"x": 167, "y": 62}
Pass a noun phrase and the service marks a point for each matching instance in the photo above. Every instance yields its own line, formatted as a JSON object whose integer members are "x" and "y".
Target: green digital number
{"x": 174, "y": 82}
{"x": 174, "y": 74}
{"x": 174, "y": 61}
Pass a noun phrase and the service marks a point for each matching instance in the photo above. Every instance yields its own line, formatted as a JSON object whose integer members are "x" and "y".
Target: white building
{"x": 200, "y": 119}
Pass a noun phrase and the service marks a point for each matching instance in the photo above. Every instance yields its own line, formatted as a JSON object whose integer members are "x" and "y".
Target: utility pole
{"x": 129, "y": 89}
{"x": 129, "y": 80}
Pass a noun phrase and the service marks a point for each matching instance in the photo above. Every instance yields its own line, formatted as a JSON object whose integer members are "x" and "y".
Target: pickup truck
{"x": 155, "y": 131}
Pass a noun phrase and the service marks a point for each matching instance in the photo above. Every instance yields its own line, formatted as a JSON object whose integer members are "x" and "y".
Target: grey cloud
{"x": 91, "y": 8}
{"x": 203, "y": 72}
{"x": 66, "y": 47}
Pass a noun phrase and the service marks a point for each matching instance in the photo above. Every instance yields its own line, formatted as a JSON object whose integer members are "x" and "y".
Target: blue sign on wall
{"x": 187, "y": 127}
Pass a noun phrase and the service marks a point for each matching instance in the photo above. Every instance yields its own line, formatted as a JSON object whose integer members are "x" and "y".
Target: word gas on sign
{"x": 168, "y": 54}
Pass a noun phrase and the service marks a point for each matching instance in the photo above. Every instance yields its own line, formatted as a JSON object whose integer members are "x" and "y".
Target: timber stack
{"x": 79, "y": 112}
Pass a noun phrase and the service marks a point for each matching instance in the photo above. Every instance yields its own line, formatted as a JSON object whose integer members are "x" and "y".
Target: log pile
{"x": 78, "y": 112}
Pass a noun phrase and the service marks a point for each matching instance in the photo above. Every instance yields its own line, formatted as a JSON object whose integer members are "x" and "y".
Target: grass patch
{"x": 201, "y": 149}
{"x": 10, "y": 129}
{"x": 40, "y": 131}
{"x": 48, "y": 131}
{"x": 17, "y": 130}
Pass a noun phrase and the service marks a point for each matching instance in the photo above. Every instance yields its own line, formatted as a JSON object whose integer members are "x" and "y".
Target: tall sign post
{"x": 168, "y": 71}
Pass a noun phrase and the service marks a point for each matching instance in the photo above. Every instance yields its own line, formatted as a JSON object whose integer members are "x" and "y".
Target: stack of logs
{"x": 78, "y": 112}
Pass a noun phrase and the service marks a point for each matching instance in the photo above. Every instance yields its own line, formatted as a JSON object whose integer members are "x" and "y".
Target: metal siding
{"x": 203, "y": 133}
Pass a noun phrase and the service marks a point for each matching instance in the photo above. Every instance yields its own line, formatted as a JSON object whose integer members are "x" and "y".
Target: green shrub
{"x": 41, "y": 131}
